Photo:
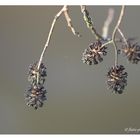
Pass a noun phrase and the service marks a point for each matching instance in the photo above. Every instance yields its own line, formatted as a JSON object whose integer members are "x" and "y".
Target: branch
{"x": 49, "y": 36}
{"x": 118, "y": 23}
{"x": 89, "y": 22}
{"x": 124, "y": 39}
{"x": 69, "y": 22}
{"x": 114, "y": 34}
{"x": 68, "y": 19}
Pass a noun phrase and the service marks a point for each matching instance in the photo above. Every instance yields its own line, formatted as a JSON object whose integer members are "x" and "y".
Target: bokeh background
{"x": 78, "y": 99}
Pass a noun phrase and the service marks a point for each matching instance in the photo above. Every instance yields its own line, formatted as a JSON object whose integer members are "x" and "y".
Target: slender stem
{"x": 114, "y": 34}
{"x": 49, "y": 36}
{"x": 89, "y": 22}
{"x": 108, "y": 42}
{"x": 69, "y": 21}
{"x": 118, "y": 23}
{"x": 124, "y": 39}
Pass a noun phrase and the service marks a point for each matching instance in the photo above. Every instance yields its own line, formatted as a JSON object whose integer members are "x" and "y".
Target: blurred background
{"x": 78, "y": 99}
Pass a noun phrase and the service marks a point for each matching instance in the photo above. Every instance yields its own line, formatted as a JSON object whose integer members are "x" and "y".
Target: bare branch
{"x": 124, "y": 39}
{"x": 118, "y": 23}
{"x": 65, "y": 11}
{"x": 89, "y": 22}
{"x": 114, "y": 33}
{"x": 49, "y": 36}
{"x": 69, "y": 21}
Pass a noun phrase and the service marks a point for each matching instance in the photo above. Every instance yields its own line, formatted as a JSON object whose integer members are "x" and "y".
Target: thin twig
{"x": 107, "y": 23}
{"x": 124, "y": 39}
{"x": 108, "y": 42}
{"x": 69, "y": 22}
{"x": 65, "y": 11}
{"x": 118, "y": 23}
{"x": 114, "y": 34}
{"x": 89, "y": 22}
{"x": 49, "y": 36}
